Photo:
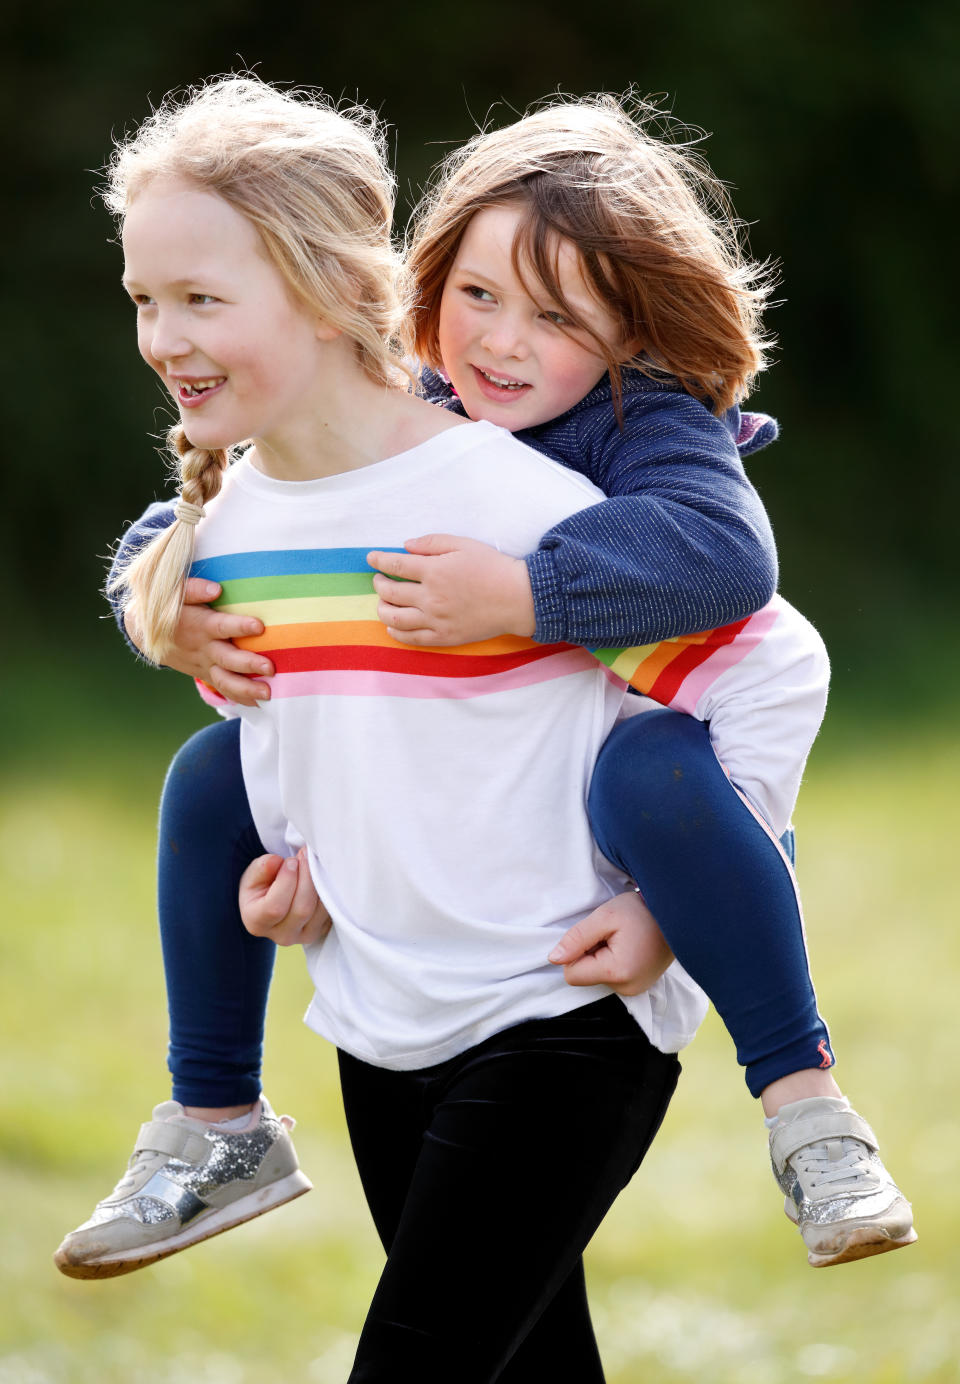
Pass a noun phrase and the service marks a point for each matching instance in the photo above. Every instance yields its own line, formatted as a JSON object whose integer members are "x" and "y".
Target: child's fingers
{"x": 199, "y": 591}
{"x": 237, "y": 688}
{"x": 223, "y": 625}
{"x": 421, "y": 637}
{"x": 306, "y": 920}
{"x": 204, "y": 623}
{"x": 397, "y": 593}
{"x": 580, "y": 939}
{"x": 267, "y": 886}
{"x": 234, "y": 660}
{"x": 400, "y": 617}
{"x": 305, "y": 899}
{"x": 593, "y": 969}
{"x": 434, "y": 544}
{"x": 278, "y": 899}
{"x": 404, "y": 566}
{"x": 317, "y": 928}
{"x": 260, "y": 873}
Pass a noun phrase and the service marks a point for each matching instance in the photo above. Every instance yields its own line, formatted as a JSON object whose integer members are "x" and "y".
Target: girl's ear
{"x": 325, "y": 331}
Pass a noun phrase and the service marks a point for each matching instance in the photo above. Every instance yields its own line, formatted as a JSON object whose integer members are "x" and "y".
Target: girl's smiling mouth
{"x": 190, "y": 393}
{"x": 495, "y": 386}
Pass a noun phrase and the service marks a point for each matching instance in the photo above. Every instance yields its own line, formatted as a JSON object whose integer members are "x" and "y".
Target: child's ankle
{"x": 812, "y": 1081}
{"x": 218, "y": 1114}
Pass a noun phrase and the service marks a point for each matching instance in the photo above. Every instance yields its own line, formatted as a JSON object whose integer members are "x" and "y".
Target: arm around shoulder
{"x": 681, "y": 544}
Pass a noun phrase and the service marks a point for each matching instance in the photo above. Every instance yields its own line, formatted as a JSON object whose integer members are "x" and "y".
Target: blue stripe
{"x": 284, "y": 562}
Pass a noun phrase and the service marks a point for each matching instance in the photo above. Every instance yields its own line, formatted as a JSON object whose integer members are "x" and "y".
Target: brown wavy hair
{"x": 657, "y": 237}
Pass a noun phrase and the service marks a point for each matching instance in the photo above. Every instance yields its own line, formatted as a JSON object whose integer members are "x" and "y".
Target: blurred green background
{"x": 835, "y": 124}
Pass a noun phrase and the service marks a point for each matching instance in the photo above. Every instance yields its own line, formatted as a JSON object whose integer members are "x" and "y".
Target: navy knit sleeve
{"x": 154, "y": 520}
{"x": 683, "y": 543}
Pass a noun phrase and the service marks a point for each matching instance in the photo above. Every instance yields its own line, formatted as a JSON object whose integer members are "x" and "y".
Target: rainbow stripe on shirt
{"x": 321, "y": 632}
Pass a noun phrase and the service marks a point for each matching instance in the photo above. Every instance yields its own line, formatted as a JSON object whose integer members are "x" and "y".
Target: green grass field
{"x": 696, "y": 1274}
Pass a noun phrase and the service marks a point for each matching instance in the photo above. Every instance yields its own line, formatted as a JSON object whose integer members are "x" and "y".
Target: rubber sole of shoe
{"x": 205, "y": 1227}
{"x": 861, "y": 1243}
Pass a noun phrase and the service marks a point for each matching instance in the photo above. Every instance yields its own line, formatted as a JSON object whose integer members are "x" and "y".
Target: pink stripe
{"x": 209, "y": 696}
{"x": 727, "y": 656}
{"x": 345, "y": 682}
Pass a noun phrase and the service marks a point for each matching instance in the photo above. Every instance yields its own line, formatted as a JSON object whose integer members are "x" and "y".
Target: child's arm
{"x": 682, "y": 544}
{"x": 202, "y": 646}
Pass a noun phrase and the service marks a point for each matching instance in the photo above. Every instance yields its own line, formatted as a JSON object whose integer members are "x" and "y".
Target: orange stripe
{"x": 650, "y": 668}
{"x": 364, "y": 632}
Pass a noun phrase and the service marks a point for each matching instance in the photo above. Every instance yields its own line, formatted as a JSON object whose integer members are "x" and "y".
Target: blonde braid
{"x": 151, "y": 583}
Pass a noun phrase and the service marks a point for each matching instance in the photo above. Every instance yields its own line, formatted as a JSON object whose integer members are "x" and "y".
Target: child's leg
{"x": 218, "y": 976}
{"x": 487, "y": 1176}
{"x": 191, "y": 1178}
{"x": 718, "y": 884}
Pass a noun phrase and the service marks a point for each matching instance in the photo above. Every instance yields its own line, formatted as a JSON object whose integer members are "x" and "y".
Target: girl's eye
{"x": 558, "y": 319}
{"x": 202, "y": 298}
{"x": 141, "y": 300}
{"x": 480, "y": 295}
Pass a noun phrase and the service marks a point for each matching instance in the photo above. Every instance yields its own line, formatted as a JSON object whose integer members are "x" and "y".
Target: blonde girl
{"x": 495, "y": 1112}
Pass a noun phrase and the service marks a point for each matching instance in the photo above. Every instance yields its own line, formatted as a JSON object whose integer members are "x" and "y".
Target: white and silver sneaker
{"x": 837, "y": 1191}
{"x": 186, "y": 1181}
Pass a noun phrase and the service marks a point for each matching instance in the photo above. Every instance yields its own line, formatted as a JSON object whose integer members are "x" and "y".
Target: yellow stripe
{"x": 655, "y": 658}
{"x": 304, "y": 610}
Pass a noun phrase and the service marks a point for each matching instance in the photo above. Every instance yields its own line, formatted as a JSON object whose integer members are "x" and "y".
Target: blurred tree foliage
{"x": 834, "y": 122}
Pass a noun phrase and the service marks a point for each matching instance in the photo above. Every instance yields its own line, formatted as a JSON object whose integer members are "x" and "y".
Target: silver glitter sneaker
{"x": 186, "y": 1181}
{"x": 837, "y": 1191}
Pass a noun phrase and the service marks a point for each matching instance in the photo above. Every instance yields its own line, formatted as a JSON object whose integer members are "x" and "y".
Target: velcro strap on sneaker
{"x": 163, "y": 1136}
{"x": 786, "y": 1139}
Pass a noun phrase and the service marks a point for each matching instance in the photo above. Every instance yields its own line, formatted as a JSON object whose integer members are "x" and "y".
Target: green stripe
{"x": 296, "y": 585}
{"x": 607, "y": 657}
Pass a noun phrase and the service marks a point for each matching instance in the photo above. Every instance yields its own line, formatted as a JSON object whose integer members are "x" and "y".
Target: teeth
{"x": 198, "y": 386}
{"x": 503, "y": 381}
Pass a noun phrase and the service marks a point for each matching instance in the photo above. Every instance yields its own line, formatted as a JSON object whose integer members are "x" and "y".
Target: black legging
{"x": 486, "y": 1176}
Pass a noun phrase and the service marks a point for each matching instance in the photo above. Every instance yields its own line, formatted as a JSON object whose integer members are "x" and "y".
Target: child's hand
{"x": 454, "y": 591}
{"x": 278, "y": 900}
{"x": 202, "y": 646}
{"x": 618, "y": 944}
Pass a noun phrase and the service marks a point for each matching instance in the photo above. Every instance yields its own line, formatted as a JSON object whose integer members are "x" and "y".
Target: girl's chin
{"x": 207, "y": 439}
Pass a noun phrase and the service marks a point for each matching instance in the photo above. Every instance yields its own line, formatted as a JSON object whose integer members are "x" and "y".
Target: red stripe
{"x": 421, "y": 662}
{"x": 668, "y": 684}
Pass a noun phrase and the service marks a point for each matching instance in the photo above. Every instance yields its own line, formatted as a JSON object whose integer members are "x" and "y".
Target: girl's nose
{"x": 505, "y": 340}
{"x": 166, "y": 341}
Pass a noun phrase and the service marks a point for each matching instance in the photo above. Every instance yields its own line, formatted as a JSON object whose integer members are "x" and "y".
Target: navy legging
{"x": 661, "y": 808}
{"x": 218, "y": 976}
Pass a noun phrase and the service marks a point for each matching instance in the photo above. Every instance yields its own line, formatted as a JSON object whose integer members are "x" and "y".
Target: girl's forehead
{"x": 493, "y": 231}
{"x": 487, "y": 248}
{"x": 172, "y": 221}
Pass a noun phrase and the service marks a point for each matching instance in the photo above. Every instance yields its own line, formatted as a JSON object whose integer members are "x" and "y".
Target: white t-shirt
{"x": 440, "y": 792}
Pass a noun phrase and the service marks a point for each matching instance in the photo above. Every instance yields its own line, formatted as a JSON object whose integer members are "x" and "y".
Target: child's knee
{"x": 206, "y": 768}
{"x": 648, "y": 769}
{"x": 648, "y": 755}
